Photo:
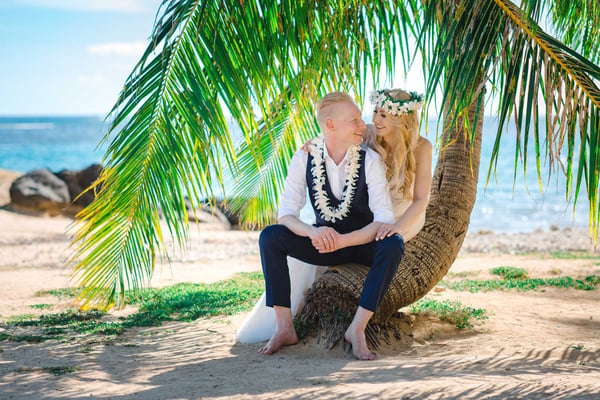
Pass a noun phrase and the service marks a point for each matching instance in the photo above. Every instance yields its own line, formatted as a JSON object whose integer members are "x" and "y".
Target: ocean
{"x": 56, "y": 143}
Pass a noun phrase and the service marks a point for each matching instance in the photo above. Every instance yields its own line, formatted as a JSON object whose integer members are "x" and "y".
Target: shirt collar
{"x": 326, "y": 156}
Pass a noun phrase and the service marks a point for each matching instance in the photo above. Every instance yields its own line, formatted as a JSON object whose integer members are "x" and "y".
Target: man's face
{"x": 348, "y": 124}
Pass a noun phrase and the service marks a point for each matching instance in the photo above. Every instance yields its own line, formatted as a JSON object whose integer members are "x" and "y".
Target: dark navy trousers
{"x": 277, "y": 242}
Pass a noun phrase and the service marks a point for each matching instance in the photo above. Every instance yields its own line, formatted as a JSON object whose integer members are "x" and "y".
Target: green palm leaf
{"x": 576, "y": 23}
{"x": 264, "y": 63}
{"x": 528, "y": 70}
{"x": 261, "y": 65}
{"x": 263, "y": 164}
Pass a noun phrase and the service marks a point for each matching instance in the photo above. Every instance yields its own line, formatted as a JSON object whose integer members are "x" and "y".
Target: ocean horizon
{"x": 71, "y": 142}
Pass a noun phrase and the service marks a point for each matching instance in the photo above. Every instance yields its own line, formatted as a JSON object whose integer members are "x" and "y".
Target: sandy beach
{"x": 535, "y": 344}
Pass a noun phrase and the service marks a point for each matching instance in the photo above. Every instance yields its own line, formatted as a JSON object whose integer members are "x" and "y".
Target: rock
{"x": 78, "y": 181}
{"x": 232, "y": 216}
{"x": 206, "y": 214}
{"x": 207, "y": 217}
{"x": 218, "y": 212}
{"x": 42, "y": 191}
{"x": 39, "y": 191}
{"x": 235, "y": 217}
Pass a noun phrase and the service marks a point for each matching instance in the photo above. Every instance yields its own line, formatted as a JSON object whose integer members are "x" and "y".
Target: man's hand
{"x": 386, "y": 230}
{"x": 325, "y": 239}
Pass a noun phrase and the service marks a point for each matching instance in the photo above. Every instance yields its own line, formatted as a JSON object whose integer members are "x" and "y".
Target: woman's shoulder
{"x": 423, "y": 145}
{"x": 422, "y": 141}
{"x": 423, "y": 151}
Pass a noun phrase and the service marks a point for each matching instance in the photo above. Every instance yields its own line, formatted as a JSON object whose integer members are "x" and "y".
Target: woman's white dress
{"x": 260, "y": 324}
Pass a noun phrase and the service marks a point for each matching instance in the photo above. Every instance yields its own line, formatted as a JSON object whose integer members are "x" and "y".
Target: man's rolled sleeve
{"x": 294, "y": 192}
{"x": 380, "y": 202}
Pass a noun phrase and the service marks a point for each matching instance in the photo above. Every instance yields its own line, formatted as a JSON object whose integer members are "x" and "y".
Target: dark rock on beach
{"x": 206, "y": 214}
{"x": 202, "y": 214}
{"x": 78, "y": 181}
{"x": 231, "y": 215}
{"x": 39, "y": 191}
{"x": 64, "y": 193}
{"x": 215, "y": 211}
{"x": 44, "y": 192}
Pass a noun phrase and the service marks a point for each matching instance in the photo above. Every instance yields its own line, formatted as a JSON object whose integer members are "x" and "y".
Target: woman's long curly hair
{"x": 399, "y": 158}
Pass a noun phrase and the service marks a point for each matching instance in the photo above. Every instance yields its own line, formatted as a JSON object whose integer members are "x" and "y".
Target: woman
{"x": 394, "y": 134}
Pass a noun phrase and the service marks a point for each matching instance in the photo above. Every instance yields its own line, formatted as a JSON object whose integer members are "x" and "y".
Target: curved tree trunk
{"x": 453, "y": 191}
{"x": 428, "y": 256}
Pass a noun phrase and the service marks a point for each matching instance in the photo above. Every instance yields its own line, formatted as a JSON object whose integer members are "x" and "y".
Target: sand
{"x": 535, "y": 344}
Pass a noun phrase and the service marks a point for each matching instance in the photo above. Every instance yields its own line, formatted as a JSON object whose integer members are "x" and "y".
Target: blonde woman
{"x": 394, "y": 134}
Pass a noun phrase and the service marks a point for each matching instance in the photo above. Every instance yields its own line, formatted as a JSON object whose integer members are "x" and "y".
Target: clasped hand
{"x": 325, "y": 239}
{"x": 386, "y": 230}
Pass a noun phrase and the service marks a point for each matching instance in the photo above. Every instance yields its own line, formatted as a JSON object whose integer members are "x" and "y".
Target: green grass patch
{"x": 68, "y": 323}
{"x": 473, "y": 286}
{"x": 63, "y": 318}
{"x": 510, "y": 272}
{"x": 20, "y": 319}
{"x": 463, "y": 274}
{"x": 60, "y": 293}
{"x": 451, "y": 311}
{"x": 41, "y": 306}
{"x": 62, "y": 370}
{"x": 23, "y": 338}
{"x": 188, "y": 301}
{"x": 181, "y": 302}
{"x": 574, "y": 255}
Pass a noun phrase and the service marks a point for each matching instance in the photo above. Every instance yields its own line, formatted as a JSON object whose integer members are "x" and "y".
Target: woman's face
{"x": 382, "y": 123}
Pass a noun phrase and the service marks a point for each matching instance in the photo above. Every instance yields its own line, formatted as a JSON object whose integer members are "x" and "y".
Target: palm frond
{"x": 262, "y": 62}
{"x": 263, "y": 166}
{"x": 527, "y": 69}
{"x": 370, "y": 30}
{"x": 261, "y": 65}
{"x": 576, "y": 23}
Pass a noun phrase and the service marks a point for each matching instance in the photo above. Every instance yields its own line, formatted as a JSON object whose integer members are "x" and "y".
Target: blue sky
{"x": 69, "y": 57}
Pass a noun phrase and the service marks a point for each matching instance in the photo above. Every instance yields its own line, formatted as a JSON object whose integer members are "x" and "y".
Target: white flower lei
{"x": 397, "y": 107}
{"x": 318, "y": 171}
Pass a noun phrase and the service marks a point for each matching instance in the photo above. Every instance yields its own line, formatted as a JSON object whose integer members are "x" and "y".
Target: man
{"x": 348, "y": 192}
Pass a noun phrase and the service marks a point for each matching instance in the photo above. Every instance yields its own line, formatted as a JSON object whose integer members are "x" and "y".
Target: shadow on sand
{"x": 200, "y": 360}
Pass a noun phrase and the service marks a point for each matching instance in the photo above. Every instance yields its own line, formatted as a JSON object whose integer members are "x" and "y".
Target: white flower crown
{"x": 397, "y": 107}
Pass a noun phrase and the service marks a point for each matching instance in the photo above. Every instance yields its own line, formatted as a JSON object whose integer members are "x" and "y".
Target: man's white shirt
{"x": 294, "y": 193}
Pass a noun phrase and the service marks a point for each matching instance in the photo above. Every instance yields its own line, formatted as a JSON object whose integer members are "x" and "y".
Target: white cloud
{"x": 95, "y": 5}
{"x": 128, "y": 49}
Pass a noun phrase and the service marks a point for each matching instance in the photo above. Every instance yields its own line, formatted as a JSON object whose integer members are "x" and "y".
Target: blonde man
{"x": 347, "y": 187}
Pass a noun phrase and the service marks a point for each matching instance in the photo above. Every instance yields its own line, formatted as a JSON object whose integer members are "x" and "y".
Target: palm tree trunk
{"x": 428, "y": 256}
{"x": 453, "y": 191}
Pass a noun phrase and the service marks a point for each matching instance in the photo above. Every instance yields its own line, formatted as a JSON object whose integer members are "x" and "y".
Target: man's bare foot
{"x": 358, "y": 341}
{"x": 286, "y": 337}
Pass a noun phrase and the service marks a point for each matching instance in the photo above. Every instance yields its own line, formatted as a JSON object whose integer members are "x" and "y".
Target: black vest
{"x": 360, "y": 214}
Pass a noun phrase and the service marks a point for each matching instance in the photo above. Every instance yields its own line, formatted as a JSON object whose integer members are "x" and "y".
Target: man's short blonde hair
{"x": 325, "y": 105}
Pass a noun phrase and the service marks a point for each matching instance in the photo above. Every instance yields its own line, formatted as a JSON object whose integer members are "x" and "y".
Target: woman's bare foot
{"x": 286, "y": 337}
{"x": 358, "y": 341}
